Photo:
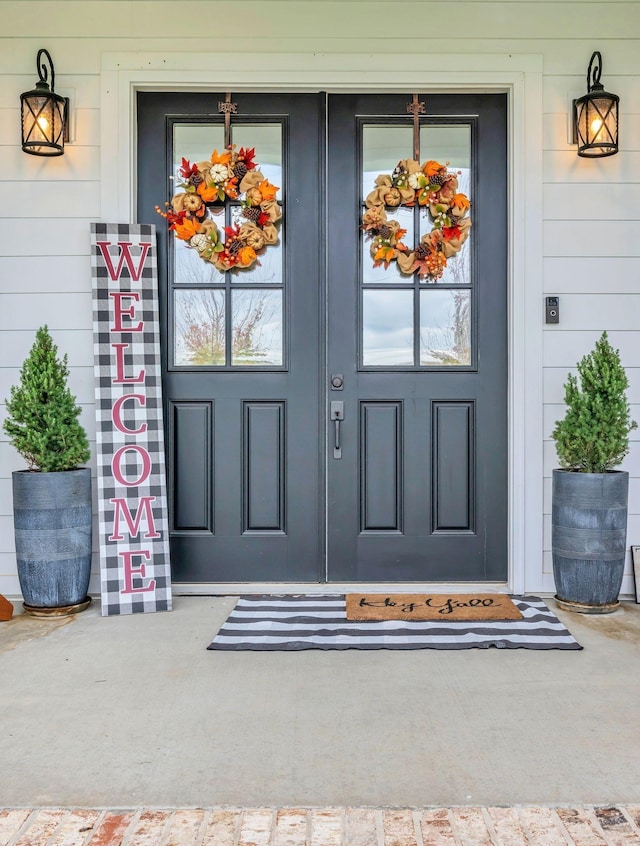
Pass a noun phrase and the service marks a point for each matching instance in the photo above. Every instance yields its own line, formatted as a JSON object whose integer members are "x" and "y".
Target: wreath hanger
{"x": 209, "y": 187}
{"x": 227, "y": 108}
{"x": 433, "y": 187}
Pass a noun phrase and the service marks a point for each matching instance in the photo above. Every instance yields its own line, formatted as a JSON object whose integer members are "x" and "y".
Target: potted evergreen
{"x": 589, "y": 501}
{"x": 52, "y": 498}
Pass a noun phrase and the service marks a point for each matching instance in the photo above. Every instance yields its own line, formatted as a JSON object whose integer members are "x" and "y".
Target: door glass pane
{"x": 190, "y": 269}
{"x": 380, "y": 274}
{"x": 382, "y": 148}
{"x": 256, "y": 327}
{"x": 268, "y": 269}
{"x": 387, "y": 324}
{"x": 452, "y": 144}
{"x": 199, "y": 327}
{"x": 447, "y": 143}
{"x": 266, "y": 138}
{"x": 196, "y": 142}
{"x": 445, "y": 327}
{"x": 252, "y": 325}
{"x": 458, "y": 269}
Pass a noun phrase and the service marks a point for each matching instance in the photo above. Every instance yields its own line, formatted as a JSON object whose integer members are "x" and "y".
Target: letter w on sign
{"x": 135, "y": 571}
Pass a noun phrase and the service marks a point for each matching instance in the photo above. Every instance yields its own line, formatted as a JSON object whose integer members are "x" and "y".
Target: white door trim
{"x": 519, "y": 75}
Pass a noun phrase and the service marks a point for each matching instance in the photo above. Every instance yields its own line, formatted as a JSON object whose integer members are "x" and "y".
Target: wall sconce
{"x": 595, "y": 116}
{"x": 44, "y": 114}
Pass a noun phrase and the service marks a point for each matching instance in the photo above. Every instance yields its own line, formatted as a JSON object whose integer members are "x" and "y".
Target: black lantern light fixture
{"x": 44, "y": 114}
{"x": 595, "y": 116}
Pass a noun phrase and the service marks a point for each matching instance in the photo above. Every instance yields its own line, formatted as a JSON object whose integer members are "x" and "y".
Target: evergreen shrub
{"x": 42, "y": 414}
{"x": 593, "y": 437}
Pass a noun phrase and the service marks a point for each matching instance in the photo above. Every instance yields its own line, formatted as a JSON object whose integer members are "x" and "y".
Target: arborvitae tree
{"x": 593, "y": 437}
{"x": 42, "y": 414}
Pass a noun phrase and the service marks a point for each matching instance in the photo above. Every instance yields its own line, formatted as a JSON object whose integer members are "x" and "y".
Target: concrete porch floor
{"x": 134, "y": 712}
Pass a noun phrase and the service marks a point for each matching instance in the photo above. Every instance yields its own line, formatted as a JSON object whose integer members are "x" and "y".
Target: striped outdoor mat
{"x": 290, "y": 623}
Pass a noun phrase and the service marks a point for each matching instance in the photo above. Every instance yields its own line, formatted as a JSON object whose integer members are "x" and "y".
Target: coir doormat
{"x": 414, "y": 606}
{"x": 290, "y": 623}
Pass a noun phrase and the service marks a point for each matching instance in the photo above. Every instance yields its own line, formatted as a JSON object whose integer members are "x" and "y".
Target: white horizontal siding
{"x": 76, "y": 199}
{"x": 585, "y": 201}
{"x": 41, "y": 275}
{"x": 562, "y": 54}
{"x": 576, "y": 274}
{"x": 596, "y": 311}
{"x": 51, "y": 237}
{"x": 29, "y": 311}
{"x": 78, "y": 346}
{"x": 317, "y": 18}
{"x": 591, "y": 220}
{"x": 564, "y": 349}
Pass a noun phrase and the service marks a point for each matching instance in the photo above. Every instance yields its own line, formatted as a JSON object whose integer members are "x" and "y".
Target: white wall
{"x": 591, "y": 208}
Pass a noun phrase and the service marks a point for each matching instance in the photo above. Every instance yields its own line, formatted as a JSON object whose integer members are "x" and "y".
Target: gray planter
{"x": 52, "y": 518}
{"x": 589, "y": 538}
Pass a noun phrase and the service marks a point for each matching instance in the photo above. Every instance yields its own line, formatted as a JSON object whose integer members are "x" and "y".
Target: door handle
{"x": 337, "y": 415}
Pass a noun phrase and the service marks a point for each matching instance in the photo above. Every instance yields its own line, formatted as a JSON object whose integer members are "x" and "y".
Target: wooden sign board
{"x": 132, "y": 499}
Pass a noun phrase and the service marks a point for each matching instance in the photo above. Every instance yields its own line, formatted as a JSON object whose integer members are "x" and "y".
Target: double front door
{"x": 331, "y": 418}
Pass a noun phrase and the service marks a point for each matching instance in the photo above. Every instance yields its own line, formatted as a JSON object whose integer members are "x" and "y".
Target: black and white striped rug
{"x": 289, "y": 623}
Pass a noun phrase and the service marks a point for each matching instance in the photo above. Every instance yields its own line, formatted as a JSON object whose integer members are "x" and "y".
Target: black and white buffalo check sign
{"x": 133, "y": 518}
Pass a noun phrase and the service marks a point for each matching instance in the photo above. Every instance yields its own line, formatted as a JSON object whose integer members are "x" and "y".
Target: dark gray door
{"x": 419, "y": 491}
{"x": 241, "y": 352}
{"x": 257, "y": 490}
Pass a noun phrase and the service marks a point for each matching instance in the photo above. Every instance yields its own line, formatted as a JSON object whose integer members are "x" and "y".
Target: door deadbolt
{"x": 337, "y": 382}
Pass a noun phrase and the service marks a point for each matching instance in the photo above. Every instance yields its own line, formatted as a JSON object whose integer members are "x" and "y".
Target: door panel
{"x": 420, "y": 490}
{"x": 241, "y": 352}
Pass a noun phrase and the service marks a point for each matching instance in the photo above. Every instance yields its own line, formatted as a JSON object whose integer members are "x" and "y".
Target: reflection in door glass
{"x": 445, "y": 327}
{"x": 382, "y": 148}
{"x": 266, "y": 138}
{"x": 190, "y": 269}
{"x": 256, "y": 327}
{"x": 195, "y": 142}
{"x": 447, "y": 143}
{"x": 199, "y": 329}
{"x": 387, "y": 327}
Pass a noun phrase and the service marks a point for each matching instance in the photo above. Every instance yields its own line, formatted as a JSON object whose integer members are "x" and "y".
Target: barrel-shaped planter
{"x": 589, "y": 538}
{"x": 52, "y": 519}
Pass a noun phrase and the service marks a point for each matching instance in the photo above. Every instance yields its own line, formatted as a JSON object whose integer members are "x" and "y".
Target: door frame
{"x": 520, "y": 77}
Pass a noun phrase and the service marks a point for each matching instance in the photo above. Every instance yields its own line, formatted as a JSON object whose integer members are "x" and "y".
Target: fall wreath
{"x": 231, "y": 175}
{"x": 430, "y": 185}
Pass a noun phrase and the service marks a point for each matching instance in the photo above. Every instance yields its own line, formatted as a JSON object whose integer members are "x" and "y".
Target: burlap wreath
{"x": 229, "y": 175}
{"x": 430, "y": 185}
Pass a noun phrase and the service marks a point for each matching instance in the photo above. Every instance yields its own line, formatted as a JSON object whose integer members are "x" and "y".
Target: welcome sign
{"x": 133, "y": 517}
